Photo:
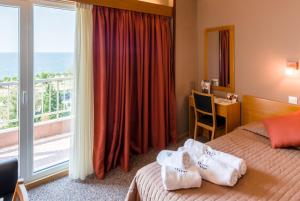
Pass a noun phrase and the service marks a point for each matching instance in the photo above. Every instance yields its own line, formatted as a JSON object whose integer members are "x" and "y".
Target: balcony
{"x": 52, "y": 120}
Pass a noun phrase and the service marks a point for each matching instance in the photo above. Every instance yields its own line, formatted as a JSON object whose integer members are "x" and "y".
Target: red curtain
{"x": 134, "y": 86}
{"x": 224, "y": 74}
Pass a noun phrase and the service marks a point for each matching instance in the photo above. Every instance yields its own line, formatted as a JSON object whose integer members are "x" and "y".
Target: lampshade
{"x": 292, "y": 66}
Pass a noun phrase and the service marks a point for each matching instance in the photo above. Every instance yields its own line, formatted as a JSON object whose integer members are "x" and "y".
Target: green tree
{"x": 49, "y": 97}
{"x": 50, "y": 103}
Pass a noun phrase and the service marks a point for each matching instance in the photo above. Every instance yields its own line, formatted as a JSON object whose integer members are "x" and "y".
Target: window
{"x": 36, "y": 84}
{"x": 54, "y": 30}
{"x": 9, "y": 81}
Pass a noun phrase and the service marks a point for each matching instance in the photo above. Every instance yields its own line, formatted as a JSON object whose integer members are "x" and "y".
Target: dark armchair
{"x": 11, "y": 188}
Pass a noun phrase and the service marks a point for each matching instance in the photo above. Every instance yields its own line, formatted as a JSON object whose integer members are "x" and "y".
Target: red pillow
{"x": 284, "y": 131}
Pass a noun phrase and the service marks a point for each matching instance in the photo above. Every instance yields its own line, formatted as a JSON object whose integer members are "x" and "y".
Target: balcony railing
{"x": 52, "y": 101}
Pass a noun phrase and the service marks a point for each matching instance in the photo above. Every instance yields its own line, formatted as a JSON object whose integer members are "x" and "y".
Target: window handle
{"x": 24, "y": 93}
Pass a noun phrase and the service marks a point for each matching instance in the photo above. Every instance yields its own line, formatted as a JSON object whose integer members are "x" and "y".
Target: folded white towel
{"x": 177, "y": 159}
{"x": 216, "y": 171}
{"x": 175, "y": 178}
{"x": 197, "y": 149}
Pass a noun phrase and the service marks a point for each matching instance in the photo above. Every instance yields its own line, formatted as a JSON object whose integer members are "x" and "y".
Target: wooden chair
{"x": 11, "y": 188}
{"x": 205, "y": 113}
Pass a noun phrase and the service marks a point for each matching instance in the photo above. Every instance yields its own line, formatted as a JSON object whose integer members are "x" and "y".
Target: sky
{"x": 54, "y": 29}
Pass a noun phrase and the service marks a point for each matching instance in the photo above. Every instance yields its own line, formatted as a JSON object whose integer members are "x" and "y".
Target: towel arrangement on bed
{"x": 186, "y": 167}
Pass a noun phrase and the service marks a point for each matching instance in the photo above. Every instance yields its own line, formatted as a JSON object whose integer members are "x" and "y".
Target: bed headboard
{"x": 256, "y": 109}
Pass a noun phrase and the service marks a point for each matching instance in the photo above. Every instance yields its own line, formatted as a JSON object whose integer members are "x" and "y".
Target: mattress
{"x": 272, "y": 174}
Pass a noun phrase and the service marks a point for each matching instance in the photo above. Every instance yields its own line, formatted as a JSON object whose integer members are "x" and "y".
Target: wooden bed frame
{"x": 256, "y": 109}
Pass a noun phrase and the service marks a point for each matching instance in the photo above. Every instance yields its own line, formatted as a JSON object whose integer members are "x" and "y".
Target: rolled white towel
{"x": 235, "y": 162}
{"x": 177, "y": 159}
{"x": 216, "y": 171}
{"x": 197, "y": 149}
{"x": 175, "y": 178}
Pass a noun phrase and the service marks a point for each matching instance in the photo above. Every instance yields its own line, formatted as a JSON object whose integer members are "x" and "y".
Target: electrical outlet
{"x": 293, "y": 100}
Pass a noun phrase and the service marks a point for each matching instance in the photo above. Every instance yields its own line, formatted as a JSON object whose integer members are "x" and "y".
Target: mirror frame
{"x": 231, "y": 87}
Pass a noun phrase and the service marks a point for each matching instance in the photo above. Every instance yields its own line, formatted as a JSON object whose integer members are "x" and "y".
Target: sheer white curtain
{"x": 81, "y": 156}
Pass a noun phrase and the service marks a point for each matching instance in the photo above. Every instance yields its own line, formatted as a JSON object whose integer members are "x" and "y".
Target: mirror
{"x": 219, "y": 58}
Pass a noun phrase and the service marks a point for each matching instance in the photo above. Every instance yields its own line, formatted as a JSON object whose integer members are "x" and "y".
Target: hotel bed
{"x": 272, "y": 174}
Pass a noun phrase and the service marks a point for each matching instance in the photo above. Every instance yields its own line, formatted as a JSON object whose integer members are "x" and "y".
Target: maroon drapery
{"x": 224, "y": 74}
{"x": 134, "y": 86}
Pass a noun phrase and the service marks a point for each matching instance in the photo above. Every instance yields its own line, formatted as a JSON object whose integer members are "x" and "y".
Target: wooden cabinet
{"x": 231, "y": 112}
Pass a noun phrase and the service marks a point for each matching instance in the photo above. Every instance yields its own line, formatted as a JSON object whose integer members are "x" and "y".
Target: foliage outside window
{"x": 52, "y": 98}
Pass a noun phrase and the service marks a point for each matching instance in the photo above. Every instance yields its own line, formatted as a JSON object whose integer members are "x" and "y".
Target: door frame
{"x": 26, "y": 86}
{"x": 62, "y": 166}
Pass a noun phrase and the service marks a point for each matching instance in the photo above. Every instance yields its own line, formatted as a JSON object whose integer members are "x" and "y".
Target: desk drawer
{"x": 221, "y": 110}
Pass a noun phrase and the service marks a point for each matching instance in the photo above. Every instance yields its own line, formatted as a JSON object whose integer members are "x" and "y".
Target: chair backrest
{"x": 204, "y": 103}
{"x": 8, "y": 176}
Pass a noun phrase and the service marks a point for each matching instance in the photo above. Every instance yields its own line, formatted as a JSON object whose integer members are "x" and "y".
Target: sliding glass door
{"x": 36, "y": 84}
{"x": 53, "y": 84}
{"x": 9, "y": 81}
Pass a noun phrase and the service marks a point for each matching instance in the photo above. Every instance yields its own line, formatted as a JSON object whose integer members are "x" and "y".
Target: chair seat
{"x": 8, "y": 197}
{"x": 208, "y": 120}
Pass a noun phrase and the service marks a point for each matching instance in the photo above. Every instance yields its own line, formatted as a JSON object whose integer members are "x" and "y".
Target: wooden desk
{"x": 231, "y": 112}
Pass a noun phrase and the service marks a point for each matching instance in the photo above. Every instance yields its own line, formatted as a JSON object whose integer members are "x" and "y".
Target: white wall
{"x": 186, "y": 58}
{"x": 267, "y": 32}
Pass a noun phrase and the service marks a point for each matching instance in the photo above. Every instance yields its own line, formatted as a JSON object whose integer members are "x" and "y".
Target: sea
{"x": 43, "y": 62}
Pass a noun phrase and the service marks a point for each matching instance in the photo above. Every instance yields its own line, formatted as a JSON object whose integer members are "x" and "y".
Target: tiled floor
{"x": 47, "y": 151}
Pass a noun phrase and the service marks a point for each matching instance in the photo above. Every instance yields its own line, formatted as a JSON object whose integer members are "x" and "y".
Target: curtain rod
{"x": 133, "y": 5}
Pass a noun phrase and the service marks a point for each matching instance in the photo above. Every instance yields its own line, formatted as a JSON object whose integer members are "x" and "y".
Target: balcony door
{"x": 36, "y": 84}
{"x": 54, "y": 30}
{"x": 9, "y": 81}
